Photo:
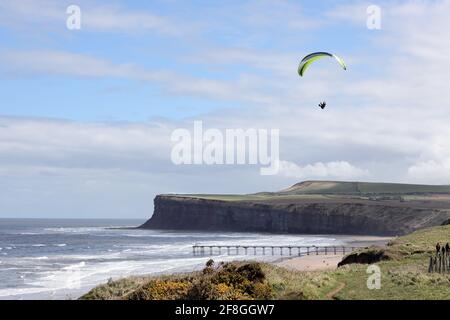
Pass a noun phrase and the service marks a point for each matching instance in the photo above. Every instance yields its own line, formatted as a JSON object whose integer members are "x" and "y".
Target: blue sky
{"x": 86, "y": 115}
{"x": 255, "y": 26}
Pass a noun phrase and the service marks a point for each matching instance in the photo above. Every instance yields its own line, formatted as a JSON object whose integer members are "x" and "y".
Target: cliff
{"x": 374, "y": 214}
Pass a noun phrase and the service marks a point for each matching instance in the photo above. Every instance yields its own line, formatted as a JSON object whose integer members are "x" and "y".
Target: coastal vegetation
{"x": 403, "y": 264}
{"x": 226, "y": 281}
{"x": 333, "y": 189}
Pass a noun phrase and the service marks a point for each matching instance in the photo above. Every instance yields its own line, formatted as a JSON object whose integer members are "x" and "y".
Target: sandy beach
{"x": 312, "y": 262}
{"x": 329, "y": 262}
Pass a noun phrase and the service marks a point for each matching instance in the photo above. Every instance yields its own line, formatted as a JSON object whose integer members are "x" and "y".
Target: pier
{"x": 207, "y": 250}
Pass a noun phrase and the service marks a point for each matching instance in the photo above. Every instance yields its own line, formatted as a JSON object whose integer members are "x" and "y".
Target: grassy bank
{"x": 404, "y": 275}
{"x": 337, "y": 189}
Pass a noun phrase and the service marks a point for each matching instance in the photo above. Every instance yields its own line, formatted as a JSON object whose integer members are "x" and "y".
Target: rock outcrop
{"x": 369, "y": 256}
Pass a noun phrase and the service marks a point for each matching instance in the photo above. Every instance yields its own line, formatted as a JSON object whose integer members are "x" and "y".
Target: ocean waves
{"x": 58, "y": 262}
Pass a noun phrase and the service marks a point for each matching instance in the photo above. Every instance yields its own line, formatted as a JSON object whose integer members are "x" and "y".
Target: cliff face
{"x": 310, "y": 217}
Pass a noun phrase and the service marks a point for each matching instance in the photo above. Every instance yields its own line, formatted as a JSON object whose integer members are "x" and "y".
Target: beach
{"x": 323, "y": 262}
{"x": 62, "y": 259}
{"x": 312, "y": 262}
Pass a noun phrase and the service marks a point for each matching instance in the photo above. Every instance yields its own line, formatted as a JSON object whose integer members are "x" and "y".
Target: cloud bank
{"x": 387, "y": 120}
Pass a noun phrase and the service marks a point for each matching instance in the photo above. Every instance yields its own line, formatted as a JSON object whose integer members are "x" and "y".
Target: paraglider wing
{"x": 309, "y": 59}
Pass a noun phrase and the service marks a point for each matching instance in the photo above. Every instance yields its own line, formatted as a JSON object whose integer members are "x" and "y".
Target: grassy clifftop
{"x": 403, "y": 276}
{"x": 339, "y": 187}
{"x": 324, "y": 189}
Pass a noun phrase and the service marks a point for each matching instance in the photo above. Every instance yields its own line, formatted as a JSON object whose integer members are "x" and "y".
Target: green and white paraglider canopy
{"x": 310, "y": 58}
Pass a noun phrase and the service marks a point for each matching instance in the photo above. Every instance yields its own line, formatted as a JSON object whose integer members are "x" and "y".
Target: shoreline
{"x": 59, "y": 292}
{"x": 310, "y": 263}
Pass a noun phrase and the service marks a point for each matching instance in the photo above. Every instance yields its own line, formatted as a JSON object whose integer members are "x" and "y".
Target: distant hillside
{"x": 361, "y": 188}
{"x": 338, "y": 189}
{"x": 326, "y": 189}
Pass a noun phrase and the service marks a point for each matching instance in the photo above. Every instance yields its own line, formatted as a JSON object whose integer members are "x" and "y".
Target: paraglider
{"x": 310, "y": 58}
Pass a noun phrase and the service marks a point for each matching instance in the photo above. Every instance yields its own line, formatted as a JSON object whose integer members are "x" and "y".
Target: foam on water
{"x": 58, "y": 261}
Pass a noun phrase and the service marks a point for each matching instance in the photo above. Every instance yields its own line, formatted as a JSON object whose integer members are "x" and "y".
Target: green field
{"x": 332, "y": 189}
{"x": 405, "y": 277}
{"x": 255, "y": 197}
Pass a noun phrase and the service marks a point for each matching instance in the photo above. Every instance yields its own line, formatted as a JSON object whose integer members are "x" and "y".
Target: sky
{"x": 86, "y": 115}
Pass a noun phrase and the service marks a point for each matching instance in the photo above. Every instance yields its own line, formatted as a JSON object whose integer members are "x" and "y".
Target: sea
{"x": 63, "y": 259}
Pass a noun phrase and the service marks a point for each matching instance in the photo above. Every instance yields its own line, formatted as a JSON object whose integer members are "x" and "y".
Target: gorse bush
{"x": 227, "y": 281}
{"x": 244, "y": 281}
{"x": 161, "y": 290}
{"x": 202, "y": 289}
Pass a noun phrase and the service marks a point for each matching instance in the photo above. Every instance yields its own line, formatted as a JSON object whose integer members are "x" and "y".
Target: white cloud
{"x": 432, "y": 170}
{"x": 267, "y": 13}
{"x": 279, "y": 63}
{"x": 397, "y": 112}
{"x": 355, "y": 13}
{"x": 115, "y": 18}
{"x": 33, "y": 142}
{"x": 433, "y": 162}
{"x": 95, "y": 17}
{"x": 319, "y": 170}
{"x": 69, "y": 169}
{"x": 63, "y": 63}
{"x": 389, "y": 124}
{"x": 46, "y": 62}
